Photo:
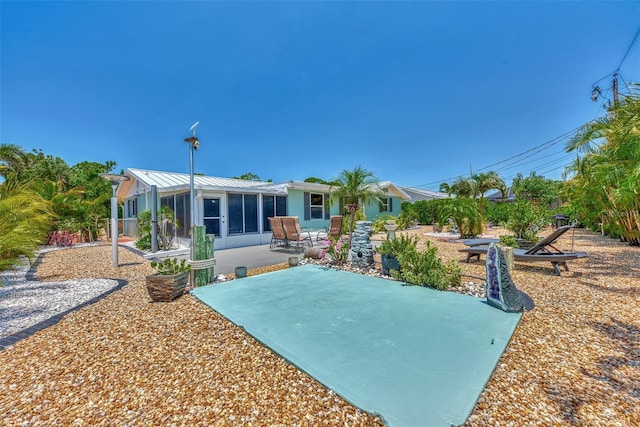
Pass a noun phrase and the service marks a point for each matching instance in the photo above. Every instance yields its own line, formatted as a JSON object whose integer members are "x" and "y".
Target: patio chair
{"x": 278, "y": 238}
{"x": 334, "y": 229}
{"x": 541, "y": 251}
{"x": 293, "y": 232}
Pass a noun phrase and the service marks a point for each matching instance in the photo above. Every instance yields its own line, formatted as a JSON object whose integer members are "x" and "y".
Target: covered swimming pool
{"x": 413, "y": 355}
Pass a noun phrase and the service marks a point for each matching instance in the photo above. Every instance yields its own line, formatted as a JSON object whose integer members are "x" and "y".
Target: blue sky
{"x": 417, "y": 92}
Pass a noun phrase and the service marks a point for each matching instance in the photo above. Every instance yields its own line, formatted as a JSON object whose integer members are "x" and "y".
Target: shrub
{"x": 525, "y": 220}
{"x": 421, "y": 267}
{"x": 170, "y": 266}
{"x": 378, "y": 223}
{"x": 424, "y": 268}
{"x": 336, "y": 248}
{"x": 465, "y": 214}
{"x": 167, "y": 222}
{"x": 395, "y": 247}
{"x": 510, "y": 241}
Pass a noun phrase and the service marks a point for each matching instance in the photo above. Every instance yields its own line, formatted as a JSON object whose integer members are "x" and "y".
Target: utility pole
{"x": 614, "y": 85}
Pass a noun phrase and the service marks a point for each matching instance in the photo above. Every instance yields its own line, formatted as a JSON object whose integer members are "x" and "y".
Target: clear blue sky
{"x": 417, "y": 92}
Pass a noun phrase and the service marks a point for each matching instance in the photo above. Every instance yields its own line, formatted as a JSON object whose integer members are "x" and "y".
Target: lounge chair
{"x": 294, "y": 233}
{"x": 278, "y": 238}
{"x": 334, "y": 230}
{"x": 541, "y": 251}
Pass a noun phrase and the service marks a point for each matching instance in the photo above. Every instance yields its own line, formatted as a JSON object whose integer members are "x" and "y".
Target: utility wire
{"x": 628, "y": 49}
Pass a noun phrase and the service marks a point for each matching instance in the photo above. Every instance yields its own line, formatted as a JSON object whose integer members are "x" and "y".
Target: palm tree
{"x": 461, "y": 187}
{"x": 355, "y": 187}
{"x": 13, "y": 162}
{"x": 25, "y": 220}
{"x": 486, "y": 181}
{"x": 611, "y": 147}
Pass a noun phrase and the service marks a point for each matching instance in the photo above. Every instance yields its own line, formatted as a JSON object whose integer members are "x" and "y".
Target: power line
{"x": 539, "y": 148}
{"x": 628, "y": 49}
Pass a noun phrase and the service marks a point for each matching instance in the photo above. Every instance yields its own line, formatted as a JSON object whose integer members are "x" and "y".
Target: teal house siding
{"x": 299, "y": 206}
{"x": 296, "y": 205}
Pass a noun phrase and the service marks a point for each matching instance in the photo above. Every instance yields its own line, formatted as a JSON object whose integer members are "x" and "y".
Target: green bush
{"x": 395, "y": 247}
{"x": 424, "y": 268}
{"x": 170, "y": 266}
{"x": 166, "y": 220}
{"x": 464, "y": 213}
{"x": 526, "y": 220}
{"x": 378, "y": 224}
{"x": 510, "y": 241}
{"x": 421, "y": 267}
{"x": 498, "y": 212}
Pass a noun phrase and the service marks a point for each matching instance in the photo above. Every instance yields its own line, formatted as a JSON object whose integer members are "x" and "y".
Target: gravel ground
{"x": 573, "y": 360}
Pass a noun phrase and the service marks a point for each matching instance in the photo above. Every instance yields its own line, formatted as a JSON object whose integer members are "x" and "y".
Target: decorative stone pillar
{"x": 361, "y": 249}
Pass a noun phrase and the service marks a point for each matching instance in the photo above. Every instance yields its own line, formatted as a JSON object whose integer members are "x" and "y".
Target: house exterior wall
{"x": 372, "y": 210}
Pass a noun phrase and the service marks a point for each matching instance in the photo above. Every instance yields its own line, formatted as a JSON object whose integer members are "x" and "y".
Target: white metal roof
{"x": 173, "y": 181}
{"x": 422, "y": 194}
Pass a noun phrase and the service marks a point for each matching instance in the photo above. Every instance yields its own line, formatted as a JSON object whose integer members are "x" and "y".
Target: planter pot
{"x": 389, "y": 262}
{"x": 164, "y": 288}
{"x": 241, "y": 272}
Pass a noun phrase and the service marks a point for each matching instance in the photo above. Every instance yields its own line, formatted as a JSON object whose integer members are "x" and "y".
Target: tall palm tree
{"x": 611, "y": 147}
{"x": 356, "y": 188}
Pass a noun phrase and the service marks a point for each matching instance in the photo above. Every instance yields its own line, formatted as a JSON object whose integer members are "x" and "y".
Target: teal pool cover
{"x": 413, "y": 355}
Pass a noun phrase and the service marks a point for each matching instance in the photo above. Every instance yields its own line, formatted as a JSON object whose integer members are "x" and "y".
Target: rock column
{"x": 361, "y": 249}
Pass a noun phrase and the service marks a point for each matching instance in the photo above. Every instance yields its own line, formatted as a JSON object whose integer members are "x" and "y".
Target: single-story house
{"x": 422, "y": 194}
{"x": 236, "y": 210}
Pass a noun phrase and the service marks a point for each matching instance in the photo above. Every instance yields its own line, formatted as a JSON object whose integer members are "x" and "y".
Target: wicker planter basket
{"x": 164, "y": 288}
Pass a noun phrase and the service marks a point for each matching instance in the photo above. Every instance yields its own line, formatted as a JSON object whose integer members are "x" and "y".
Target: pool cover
{"x": 413, "y": 355}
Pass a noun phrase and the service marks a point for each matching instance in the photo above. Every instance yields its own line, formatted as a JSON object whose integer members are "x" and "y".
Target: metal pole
{"x": 154, "y": 219}
{"x": 114, "y": 227}
{"x": 191, "y": 192}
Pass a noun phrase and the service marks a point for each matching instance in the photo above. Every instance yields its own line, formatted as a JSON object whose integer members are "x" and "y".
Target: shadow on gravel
{"x": 627, "y": 337}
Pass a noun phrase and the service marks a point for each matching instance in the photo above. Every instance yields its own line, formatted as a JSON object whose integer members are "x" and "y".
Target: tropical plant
{"x": 170, "y": 266}
{"x": 425, "y": 268}
{"x": 355, "y": 187}
{"x": 609, "y": 166}
{"x": 396, "y": 246}
{"x": 336, "y": 248}
{"x": 475, "y": 186}
{"x": 380, "y": 221}
{"x": 25, "y": 221}
{"x": 164, "y": 231}
{"x": 465, "y": 214}
{"x": 525, "y": 220}
{"x": 537, "y": 190}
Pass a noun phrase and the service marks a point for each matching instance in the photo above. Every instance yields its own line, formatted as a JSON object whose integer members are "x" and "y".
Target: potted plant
{"x": 391, "y": 248}
{"x": 169, "y": 281}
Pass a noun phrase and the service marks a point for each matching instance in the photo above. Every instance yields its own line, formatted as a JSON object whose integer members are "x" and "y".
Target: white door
{"x": 214, "y": 219}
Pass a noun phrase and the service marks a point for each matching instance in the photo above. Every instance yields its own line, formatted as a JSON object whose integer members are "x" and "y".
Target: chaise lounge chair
{"x": 294, "y": 233}
{"x": 541, "y": 251}
{"x": 278, "y": 238}
{"x": 334, "y": 230}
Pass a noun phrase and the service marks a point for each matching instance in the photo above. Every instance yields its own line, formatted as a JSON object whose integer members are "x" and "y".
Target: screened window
{"x": 243, "y": 213}
{"x": 179, "y": 204}
{"x": 272, "y": 206}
